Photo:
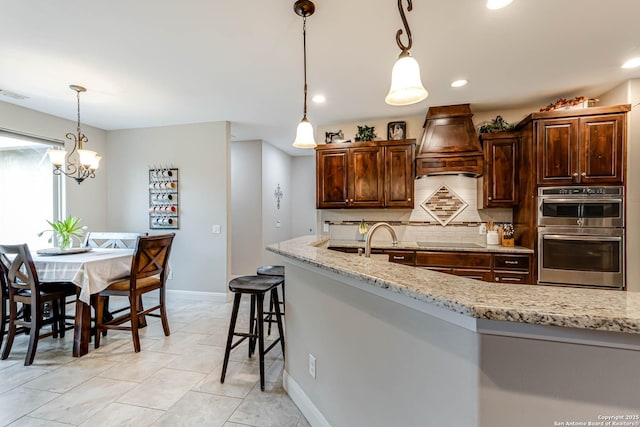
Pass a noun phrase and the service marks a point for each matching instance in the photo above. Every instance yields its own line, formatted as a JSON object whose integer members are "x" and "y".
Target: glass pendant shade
{"x": 406, "y": 85}
{"x": 57, "y": 157}
{"x": 95, "y": 163}
{"x": 87, "y": 157}
{"x": 304, "y": 135}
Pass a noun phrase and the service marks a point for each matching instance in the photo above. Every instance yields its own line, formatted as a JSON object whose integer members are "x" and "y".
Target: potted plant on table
{"x": 66, "y": 229}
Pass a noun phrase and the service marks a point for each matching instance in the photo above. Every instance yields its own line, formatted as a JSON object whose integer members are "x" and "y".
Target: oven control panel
{"x": 581, "y": 191}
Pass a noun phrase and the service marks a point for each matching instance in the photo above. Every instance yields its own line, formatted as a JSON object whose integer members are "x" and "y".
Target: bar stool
{"x": 257, "y": 287}
{"x": 272, "y": 270}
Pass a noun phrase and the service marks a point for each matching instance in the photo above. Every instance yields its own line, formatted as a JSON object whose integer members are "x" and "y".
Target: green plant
{"x": 66, "y": 229}
{"x": 496, "y": 125}
{"x": 366, "y": 133}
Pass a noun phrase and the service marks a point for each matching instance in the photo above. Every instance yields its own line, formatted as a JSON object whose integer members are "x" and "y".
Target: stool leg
{"x": 232, "y": 329}
{"x": 274, "y": 297}
{"x": 252, "y": 320}
{"x": 261, "y": 338}
{"x": 269, "y": 316}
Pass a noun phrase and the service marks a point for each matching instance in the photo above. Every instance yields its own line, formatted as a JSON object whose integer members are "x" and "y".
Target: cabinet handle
{"x": 398, "y": 258}
{"x": 510, "y": 279}
{"x": 511, "y": 262}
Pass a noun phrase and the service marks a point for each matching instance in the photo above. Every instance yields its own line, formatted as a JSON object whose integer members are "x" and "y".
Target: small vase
{"x": 65, "y": 242}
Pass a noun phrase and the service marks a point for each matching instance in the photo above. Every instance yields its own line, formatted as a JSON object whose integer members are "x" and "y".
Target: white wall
{"x": 276, "y": 222}
{"x": 201, "y": 153}
{"x": 87, "y": 201}
{"x": 246, "y": 207}
{"x": 303, "y": 195}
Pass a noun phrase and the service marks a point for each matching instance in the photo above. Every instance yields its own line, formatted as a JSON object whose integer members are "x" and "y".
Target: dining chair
{"x": 4, "y": 299}
{"x": 148, "y": 273}
{"x": 25, "y": 288}
{"x": 111, "y": 239}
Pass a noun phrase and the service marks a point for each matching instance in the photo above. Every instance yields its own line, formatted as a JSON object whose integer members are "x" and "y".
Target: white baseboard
{"x": 306, "y": 406}
{"x": 209, "y": 296}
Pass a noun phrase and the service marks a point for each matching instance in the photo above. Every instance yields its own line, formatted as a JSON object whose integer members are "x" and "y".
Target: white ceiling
{"x": 161, "y": 62}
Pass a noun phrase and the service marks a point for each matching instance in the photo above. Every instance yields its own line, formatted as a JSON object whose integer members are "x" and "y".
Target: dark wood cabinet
{"x": 365, "y": 175}
{"x": 500, "y": 179}
{"x": 581, "y": 150}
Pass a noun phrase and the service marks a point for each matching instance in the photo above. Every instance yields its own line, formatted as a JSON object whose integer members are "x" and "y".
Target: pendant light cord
{"x": 304, "y": 47}
{"x": 78, "y": 98}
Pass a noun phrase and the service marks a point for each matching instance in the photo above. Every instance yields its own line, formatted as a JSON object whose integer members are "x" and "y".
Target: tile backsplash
{"x": 446, "y": 210}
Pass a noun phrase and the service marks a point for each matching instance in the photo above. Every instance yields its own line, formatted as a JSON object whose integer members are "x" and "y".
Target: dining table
{"x": 91, "y": 270}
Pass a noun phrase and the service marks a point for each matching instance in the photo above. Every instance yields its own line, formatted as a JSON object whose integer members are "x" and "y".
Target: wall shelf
{"x": 164, "y": 212}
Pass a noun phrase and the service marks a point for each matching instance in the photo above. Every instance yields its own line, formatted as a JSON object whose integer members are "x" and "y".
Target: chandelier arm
{"x": 404, "y": 48}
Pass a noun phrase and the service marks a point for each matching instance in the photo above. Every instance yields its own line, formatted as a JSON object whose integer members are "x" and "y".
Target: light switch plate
{"x": 325, "y": 227}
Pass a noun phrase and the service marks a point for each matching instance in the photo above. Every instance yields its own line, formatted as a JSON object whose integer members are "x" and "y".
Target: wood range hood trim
{"x": 450, "y": 144}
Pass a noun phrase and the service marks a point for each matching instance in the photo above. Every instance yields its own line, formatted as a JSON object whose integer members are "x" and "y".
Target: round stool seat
{"x": 271, "y": 270}
{"x": 254, "y": 284}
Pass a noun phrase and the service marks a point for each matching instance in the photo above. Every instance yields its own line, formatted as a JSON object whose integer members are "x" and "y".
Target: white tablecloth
{"x": 90, "y": 271}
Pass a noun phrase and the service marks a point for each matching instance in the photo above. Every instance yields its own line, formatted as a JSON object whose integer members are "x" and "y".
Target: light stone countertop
{"x": 432, "y": 246}
{"x": 597, "y": 309}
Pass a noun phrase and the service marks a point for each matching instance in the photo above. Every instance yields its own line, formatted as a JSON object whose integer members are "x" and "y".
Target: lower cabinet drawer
{"x": 511, "y": 262}
{"x": 484, "y": 275}
{"x": 511, "y": 277}
{"x": 402, "y": 257}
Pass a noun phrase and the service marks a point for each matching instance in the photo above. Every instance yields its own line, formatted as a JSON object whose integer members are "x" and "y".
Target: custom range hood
{"x": 449, "y": 144}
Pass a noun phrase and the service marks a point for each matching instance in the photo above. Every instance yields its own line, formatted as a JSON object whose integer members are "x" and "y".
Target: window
{"x": 30, "y": 192}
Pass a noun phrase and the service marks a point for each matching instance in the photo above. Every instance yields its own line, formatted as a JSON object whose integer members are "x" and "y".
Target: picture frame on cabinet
{"x": 396, "y": 131}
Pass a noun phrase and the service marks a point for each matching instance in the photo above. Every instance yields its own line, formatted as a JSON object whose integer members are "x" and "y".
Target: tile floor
{"x": 173, "y": 381}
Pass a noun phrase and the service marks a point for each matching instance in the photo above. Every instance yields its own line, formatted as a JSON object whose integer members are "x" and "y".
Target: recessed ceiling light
{"x": 497, "y": 4}
{"x": 319, "y": 99}
{"x": 459, "y": 83}
{"x": 632, "y": 63}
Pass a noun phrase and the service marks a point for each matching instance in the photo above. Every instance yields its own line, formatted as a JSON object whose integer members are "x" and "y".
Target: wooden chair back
{"x": 111, "y": 240}
{"x": 20, "y": 274}
{"x": 151, "y": 257}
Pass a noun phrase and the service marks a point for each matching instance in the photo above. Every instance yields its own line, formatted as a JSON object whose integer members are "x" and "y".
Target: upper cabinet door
{"x": 332, "y": 190}
{"x": 557, "y": 151}
{"x": 500, "y": 170}
{"x": 366, "y": 177}
{"x": 602, "y": 149}
{"x": 399, "y": 175}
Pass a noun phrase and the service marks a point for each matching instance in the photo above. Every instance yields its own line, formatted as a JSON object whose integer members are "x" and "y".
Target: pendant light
{"x": 79, "y": 163}
{"x": 406, "y": 86}
{"x": 304, "y": 133}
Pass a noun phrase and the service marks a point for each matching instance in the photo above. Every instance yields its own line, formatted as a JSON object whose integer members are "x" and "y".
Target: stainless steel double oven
{"x": 581, "y": 239}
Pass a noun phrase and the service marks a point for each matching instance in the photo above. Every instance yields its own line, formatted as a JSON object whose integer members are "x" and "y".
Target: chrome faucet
{"x": 374, "y": 227}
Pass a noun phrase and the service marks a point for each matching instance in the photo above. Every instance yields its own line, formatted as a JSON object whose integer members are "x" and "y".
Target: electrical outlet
{"x": 216, "y": 229}
{"x": 482, "y": 229}
{"x": 312, "y": 365}
{"x": 277, "y": 224}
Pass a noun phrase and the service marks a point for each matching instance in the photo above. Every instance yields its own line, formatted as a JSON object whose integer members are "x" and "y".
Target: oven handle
{"x": 581, "y": 237}
{"x": 579, "y": 200}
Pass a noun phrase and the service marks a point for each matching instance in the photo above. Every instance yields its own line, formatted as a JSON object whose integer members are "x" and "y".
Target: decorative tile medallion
{"x": 444, "y": 205}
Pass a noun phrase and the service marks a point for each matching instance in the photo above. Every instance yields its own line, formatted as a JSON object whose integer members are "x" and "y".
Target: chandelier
{"x": 406, "y": 86}
{"x": 304, "y": 133}
{"x": 78, "y": 163}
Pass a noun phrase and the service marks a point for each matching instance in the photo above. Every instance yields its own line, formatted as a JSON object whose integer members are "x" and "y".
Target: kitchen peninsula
{"x": 399, "y": 345}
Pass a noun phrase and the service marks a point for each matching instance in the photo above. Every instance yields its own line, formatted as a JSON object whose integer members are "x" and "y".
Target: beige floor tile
{"x": 199, "y": 409}
{"x": 269, "y": 408}
{"x": 178, "y": 343}
{"x": 137, "y": 367}
{"x": 17, "y": 374}
{"x": 121, "y": 415}
{"x": 36, "y": 422}
{"x": 84, "y": 401}
{"x": 70, "y": 375}
{"x": 20, "y": 401}
{"x": 163, "y": 389}
{"x": 230, "y": 424}
{"x": 239, "y": 380}
{"x": 302, "y": 422}
{"x": 201, "y": 358}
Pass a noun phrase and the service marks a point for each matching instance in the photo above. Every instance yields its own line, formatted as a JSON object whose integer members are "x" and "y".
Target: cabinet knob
{"x": 490, "y": 198}
{"x": 575, "y": 174}
{"x": 409, "y": 199}
{"x": 583, "y": 174}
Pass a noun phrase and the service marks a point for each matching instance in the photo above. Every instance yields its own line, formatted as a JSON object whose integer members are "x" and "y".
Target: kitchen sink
{"x": 452, "y": 245}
